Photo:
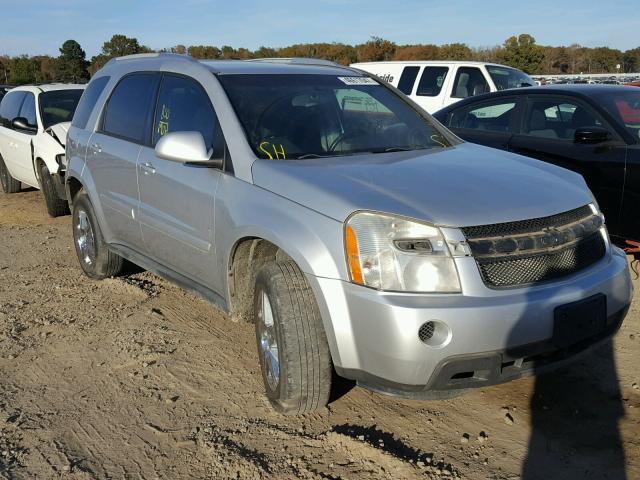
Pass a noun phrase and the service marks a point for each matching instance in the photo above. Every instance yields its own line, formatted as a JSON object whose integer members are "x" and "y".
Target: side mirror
{"x": 591, "y": 135}
{"x": 188, "y": 148}
{"x": 21, "y": 123}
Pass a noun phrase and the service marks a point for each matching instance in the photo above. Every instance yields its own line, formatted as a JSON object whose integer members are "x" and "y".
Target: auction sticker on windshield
{"x": 358, "y": 80}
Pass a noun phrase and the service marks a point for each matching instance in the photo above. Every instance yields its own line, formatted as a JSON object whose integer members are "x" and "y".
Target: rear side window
{"x": 128, "y": 110}
{"x": 10, "y": 106}
{"x": 407, "y": 79}
{"x": 184, "y": 106}
{"x": 431, "y": 81}
{"x": 28, "y": 110}
{"x": 469, "y": 82}
{"x": 88, "y": 101}
{"x": 494, "y": 116}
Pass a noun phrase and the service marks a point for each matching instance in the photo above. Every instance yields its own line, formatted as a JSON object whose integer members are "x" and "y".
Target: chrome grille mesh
{"x": 505, "y": 267}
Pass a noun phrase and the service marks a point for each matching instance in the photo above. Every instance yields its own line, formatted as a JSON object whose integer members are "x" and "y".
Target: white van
{"x": 435, "y": 84}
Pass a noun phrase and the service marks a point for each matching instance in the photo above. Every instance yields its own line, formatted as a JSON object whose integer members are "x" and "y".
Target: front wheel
{"x": 96, "y": 260}
{"x": 56, "y": 206}
{"x": 292, "y": 345}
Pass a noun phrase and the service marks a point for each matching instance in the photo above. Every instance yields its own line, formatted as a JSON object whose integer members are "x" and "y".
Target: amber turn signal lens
{"x": 353, "y": 256}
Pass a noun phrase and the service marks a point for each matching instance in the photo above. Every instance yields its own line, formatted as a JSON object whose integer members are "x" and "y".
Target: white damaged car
{"x": 34, "y": 121}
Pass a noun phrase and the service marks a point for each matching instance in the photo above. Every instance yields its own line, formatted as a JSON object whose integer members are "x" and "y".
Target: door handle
{"x": 97, "y": 148}
{"x": 148, "y": 168}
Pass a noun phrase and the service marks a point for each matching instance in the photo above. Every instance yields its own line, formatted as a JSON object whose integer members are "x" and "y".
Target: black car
{"x": 591, "y": 129}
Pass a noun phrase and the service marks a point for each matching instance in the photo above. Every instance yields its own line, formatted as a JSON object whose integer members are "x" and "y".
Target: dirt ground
{"x": 134, "y": 378}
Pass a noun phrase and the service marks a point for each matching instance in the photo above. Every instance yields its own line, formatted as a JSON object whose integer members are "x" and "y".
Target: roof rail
{"x": 137, "y": 56}
{"x": 298, "y": 61}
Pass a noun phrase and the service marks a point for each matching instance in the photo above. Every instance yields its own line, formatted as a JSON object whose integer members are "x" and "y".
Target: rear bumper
{"x": 374, "y": 339}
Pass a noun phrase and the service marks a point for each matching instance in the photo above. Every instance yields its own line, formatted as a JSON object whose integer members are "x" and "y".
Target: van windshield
{"x": 506, "y": 78}
{"x": 291, "y": 117}
{"x": 58, "y": 106}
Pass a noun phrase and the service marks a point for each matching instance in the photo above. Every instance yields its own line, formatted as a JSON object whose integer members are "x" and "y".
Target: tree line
{"x": 520, "y": 51}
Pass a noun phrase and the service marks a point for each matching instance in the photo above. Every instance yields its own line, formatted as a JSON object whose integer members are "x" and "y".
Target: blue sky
{"x": 40, "y": 27}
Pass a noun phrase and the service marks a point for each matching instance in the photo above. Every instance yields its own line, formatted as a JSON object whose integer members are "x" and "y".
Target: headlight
{"x": 391, "y": 253}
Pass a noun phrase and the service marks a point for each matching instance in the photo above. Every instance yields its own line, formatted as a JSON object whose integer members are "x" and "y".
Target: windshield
{"x": 309, "y": 116}
{"x": 58, "y": 106}
{"x": 506, "y": 78}
{"x": 626, "y": 108}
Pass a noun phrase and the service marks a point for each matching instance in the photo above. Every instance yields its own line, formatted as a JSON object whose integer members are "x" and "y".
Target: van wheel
{"x": 56, "y": 206}
{"x": 9, "y": 184}
{"x": 292, "y": 345}
{"x": 96, "y": 260}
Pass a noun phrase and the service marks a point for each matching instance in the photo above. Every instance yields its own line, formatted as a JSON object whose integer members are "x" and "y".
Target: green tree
{"x": 71, "y": 65}
{"x": 605, "y": 59}
{"x": 455, "y": 51}
{"x": 117, "y": 46}
{"x": 523, "y": 53}
{"x": 417, "y": 52}
{"x": 631, "y": 60}
{"x": 376, "y": 49}
{"x": 204, "y": 51}
{"x": 22, "y": 70}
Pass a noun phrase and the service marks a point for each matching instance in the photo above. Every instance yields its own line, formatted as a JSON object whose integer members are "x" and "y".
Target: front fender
{"x": 46, "y": 148}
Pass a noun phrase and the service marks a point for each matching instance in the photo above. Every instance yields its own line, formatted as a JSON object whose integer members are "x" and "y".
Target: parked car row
{"x": 359, "y": 235}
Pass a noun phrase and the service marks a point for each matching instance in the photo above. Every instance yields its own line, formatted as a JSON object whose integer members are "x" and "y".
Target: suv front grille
{"x": 537, "y": 250}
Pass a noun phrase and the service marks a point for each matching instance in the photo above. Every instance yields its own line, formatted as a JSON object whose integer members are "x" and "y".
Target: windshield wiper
{"x": 312, "y": 155}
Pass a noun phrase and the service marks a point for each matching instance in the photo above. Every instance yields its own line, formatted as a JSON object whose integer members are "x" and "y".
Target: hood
{"x": 59, "y": 132}
{"x": 460, "y": 186}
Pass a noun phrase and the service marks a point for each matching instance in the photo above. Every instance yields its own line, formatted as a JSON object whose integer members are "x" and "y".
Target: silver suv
{"x": 359, "y": 236}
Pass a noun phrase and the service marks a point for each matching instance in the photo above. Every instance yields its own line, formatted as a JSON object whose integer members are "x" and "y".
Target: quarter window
{"x": 432, "y": 81}
{"x": 407, "y": 79}
{"x": 184, "y": 106}
{"x": 469, "y": 81}
{"x": 558, "y": 119}
{"x": 10, "y": 106}
{"x": 129, "y": 107}
{"x": 88, "y": 101}
{"x": 495, "y": 116}
{"x": 28, "y": 110}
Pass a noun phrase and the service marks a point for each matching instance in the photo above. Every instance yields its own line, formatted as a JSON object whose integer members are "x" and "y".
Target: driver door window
{"x": 184, "y": 106}
{"x": 558, "y": 118}
{"x": 28, "y": 110}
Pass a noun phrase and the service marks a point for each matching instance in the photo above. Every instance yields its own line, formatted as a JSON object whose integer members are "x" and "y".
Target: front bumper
{"x": 497, "y": 335}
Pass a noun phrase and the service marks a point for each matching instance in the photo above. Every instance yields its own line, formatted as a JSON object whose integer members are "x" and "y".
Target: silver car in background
{"x": 357, "y": 234}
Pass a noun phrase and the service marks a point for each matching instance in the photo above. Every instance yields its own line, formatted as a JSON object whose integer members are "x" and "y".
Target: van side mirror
{"x": 591, "y": 135}
{"x": 187, "y": 148}
{"x": 21, "y": 123}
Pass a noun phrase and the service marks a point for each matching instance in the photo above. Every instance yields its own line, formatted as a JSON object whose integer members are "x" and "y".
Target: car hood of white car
{"x": 59, "y": 131}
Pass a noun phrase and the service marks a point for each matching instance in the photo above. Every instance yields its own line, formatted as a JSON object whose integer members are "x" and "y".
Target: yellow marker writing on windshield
{"x": 266, "y": 152}
{"x": 279, "y": 152}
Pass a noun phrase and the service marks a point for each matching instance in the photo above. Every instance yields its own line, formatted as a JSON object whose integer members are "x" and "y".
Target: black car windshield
{"x": 58, "y": 106}
{"x": 626, "y": 108}
{"x": 506, "y": 78}
{"x": 292, "y": 117}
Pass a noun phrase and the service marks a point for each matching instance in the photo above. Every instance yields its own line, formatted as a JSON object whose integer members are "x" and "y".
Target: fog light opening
{"x": 434, "y": 333}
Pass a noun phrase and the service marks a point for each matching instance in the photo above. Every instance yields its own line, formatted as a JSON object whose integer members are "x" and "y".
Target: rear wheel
{"x": 292, "y": 345}
{"x": 55, "y": 205}
{"x": 9, "y": 184}
{"x": 96, "y": 260}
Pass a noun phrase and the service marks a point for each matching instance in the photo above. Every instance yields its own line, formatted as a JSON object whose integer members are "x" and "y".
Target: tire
{"x": 96, "y": 260}
{"x": 304, "y": 369}
{"x": 56, "y": 206}
{"x": 9, "y": 184}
